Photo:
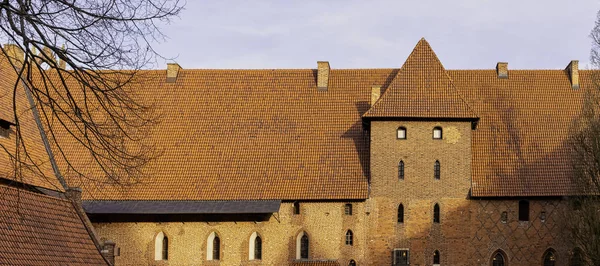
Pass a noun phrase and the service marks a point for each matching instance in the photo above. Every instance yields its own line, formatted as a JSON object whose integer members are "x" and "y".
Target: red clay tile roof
{"x": 422, "y": 89}
{"x": 36, "y": 229}
{"x": 251, "y": 135}
{"x": 520, "y": 144}
{"x": 270, "y": 134}
{"x": 315, "y": 263}
{"x": 37, "y": 169}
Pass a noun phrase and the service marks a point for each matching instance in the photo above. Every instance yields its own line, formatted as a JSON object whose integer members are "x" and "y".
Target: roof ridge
{"x": 35, "y": 193}
{"x": 422, "y": 53}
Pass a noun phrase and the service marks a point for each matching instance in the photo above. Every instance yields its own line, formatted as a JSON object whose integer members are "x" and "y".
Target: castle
{"x": 412, "y": 166}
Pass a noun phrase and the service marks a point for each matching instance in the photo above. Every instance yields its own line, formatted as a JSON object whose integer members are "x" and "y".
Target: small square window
{"x": 437, "y": 133}
{"x": 348, "y": 209}
{"x": 401, "y": 133}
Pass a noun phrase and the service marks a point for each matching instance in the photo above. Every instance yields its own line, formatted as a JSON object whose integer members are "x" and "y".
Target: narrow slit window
{"x": 401, "y": 214}
{"x": 523, "y": 210}
{"x": 296, "y": 207}
{"x": 437, "y": 133}
{"x": 436, "y": 258}
{"x": 349, "y": 238}
{"x": 401, "y": 170}
{"x": 436, "y": 170}
{"x": 436, "y": 213}
{"x": 401, "y": 134}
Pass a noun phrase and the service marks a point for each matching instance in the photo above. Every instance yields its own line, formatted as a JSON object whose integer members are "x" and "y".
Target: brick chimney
{"x": 573, "y": 70}
{"x": 322, "y": 75}
{"x": 502, "y": 70}
{"x": 61, "y": 63}
{"x": 108, "y": 251}
{"x": 375, "y": 93}
{"x": 15, "y": 53}
{"x": 172, "y": 72}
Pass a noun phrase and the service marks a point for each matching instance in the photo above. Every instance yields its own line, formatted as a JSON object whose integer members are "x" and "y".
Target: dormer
{"x": 5, "y": 128}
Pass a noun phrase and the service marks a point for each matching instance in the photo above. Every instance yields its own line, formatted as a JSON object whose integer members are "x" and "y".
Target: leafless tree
{"x": 585, "y": 140}
{"x": 584, "y": 222}
{"x": 78, "y": 62}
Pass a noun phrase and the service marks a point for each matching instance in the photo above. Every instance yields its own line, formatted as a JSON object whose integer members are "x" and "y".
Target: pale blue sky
{"x": 465, "y": 34}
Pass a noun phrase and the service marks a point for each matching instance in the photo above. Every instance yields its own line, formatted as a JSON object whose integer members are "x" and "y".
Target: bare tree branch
{"x": 585, "y": 144}
{"x": 80, "y": 62}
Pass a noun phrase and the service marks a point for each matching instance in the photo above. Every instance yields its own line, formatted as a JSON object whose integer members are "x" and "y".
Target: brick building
{"x": 412, "y": 166}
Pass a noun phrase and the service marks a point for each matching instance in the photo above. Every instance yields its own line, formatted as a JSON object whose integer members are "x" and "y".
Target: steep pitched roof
{"x": 35, "y": 169}
{"x": 422, "y": 89}
{"x": 36, "y": 229}
{"x": 270, "y": 134}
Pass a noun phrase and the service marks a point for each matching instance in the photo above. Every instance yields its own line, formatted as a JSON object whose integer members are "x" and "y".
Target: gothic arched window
{"x": 349, "y": 238}
{"x": 161, "y": 247}
{"x": 549, "y": 258}
{"x": 498, "y": 259}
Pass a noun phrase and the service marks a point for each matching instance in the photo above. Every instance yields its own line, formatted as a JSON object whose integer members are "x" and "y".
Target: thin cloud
{"x": 465, "y": 34}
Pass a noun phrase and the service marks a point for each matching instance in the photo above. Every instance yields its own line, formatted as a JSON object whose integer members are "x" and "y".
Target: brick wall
{"x": 324, "y": 222}
{"x": 471, "y": 230}
{"x": 524, "y": 243}
{"x": 419, "y": 191}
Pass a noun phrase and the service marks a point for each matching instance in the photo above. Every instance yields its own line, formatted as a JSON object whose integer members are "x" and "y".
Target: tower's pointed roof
{"x": 421, "y": 89}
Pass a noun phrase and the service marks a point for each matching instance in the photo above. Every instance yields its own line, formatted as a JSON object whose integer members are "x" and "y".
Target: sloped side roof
{"x": 180, "y": 207}
{"x": 35, "y": 170}
{"x": 315, "y": 263}
{"x": 250, "y": 135}
{"x": 520, "y": 146}
{"x": 422, "y": 89}
{"x": 36, "y": 229}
